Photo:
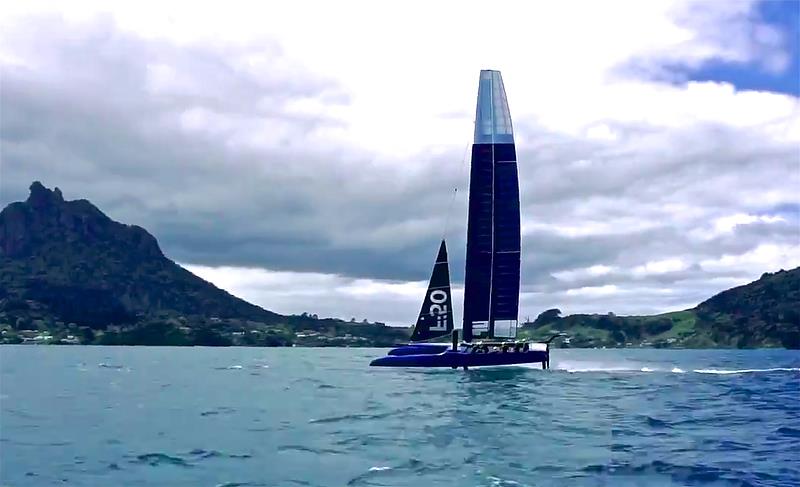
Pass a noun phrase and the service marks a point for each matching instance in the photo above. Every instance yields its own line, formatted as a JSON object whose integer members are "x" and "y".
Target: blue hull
{"x": 452, "y": 358}
{"x": 419, "y": 349}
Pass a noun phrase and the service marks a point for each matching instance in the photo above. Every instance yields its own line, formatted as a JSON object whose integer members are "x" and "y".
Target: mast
{"x": 491, "y": 282}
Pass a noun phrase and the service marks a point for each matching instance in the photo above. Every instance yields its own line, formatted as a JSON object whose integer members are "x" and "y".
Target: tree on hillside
{"x": 546, "y": 317}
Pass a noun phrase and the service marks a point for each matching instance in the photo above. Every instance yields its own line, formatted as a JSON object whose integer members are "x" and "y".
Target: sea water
{"x": 137, "y": 416}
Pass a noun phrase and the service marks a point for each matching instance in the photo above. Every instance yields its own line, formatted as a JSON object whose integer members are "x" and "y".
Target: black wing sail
{"x": 491, "y": 281}
{"x": 436, "y": 316}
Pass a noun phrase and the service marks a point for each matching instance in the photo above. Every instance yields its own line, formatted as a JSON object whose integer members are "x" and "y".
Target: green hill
{"x": 764, "y": 313}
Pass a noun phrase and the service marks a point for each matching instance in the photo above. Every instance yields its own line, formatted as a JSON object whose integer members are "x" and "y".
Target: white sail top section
{"x": 492, "y": 117}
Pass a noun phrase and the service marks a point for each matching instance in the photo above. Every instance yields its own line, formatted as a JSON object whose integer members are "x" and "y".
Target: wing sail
{"x": 492, "y": 274}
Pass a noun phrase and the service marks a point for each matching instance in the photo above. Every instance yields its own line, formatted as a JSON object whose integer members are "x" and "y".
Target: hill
{"x": 764, "y": 313}
{"x": 68, "y": 270}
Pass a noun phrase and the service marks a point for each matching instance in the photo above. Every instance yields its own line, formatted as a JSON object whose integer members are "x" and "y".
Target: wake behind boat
{"x": 492, "y": 274}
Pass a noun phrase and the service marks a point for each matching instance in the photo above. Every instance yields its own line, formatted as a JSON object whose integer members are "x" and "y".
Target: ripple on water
{"x": 656, "y": 423}
{"x": 104, "y": 365}
{"x": 788, "y": 431}
{"x": 22, "y": 414}
{"x": 362, "y": 441}
{"x": 308, "y": 449}
{"x": 726, "y": 445}
{"x": 500, "y": 482}
{"x": 412, "y": 467}
{"x": 684, "y": 474}
{"x": 218, "y": 410}
{"x": 245, "y": 484}
{"x": 185, "y": 460}
{"x": 746, "y": 371}
{"x": 359, "y": 417}
{"x": 158, "y": 459}
{"x": 200, "y": 453}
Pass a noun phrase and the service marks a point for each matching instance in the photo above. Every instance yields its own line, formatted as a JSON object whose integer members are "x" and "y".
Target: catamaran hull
{"x": 419, "y": 349}
{"x": 453, "y": 359}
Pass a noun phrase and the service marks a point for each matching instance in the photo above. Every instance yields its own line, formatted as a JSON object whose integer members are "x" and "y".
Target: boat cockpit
{"x": 502, "y": 347}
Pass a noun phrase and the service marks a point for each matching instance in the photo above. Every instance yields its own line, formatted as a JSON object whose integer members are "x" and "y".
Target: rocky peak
{"x": 42, "y": 197}
{"x": 45, "y": 222}
{"x": 83, "y": 267}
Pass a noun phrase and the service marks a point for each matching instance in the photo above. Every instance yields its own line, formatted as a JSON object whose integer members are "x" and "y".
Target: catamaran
{"x": 492, "y": 274}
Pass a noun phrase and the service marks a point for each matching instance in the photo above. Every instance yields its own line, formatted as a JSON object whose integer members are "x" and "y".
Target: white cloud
{"x": 574, "y": 274}
{"x": 327, "y": 295}
{"x": 726, "y": 224}
{"x": 594, "y": 290}
{"x": 611, "y": 226}
{"x": 764, "y": 256}
{"x": 660, "y": 267}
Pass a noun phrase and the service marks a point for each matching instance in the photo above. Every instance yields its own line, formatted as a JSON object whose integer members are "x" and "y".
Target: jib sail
{"x": 436, "y": 316}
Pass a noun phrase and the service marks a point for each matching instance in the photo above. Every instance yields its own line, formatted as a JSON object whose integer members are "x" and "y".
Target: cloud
{"x": 326, "y": 295}
{"x": 307, "y": 161}
{"x": 714, "y": 32}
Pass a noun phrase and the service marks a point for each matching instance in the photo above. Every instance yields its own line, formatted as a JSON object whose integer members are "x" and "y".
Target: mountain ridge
{"x": 67, "y": 263}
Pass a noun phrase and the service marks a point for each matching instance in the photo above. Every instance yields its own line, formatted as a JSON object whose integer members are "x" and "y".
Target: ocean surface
{"x": 137, "y": 416}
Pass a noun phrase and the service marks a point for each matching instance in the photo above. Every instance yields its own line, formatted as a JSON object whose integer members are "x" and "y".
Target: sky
{"x": 309, "y": 156}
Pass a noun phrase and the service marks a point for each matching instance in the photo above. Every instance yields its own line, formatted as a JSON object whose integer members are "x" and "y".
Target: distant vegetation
{"x": 764, "y": 313}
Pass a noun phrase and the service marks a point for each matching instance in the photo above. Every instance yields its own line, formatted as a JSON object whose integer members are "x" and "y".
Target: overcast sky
{"x": 303, "y": 155}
